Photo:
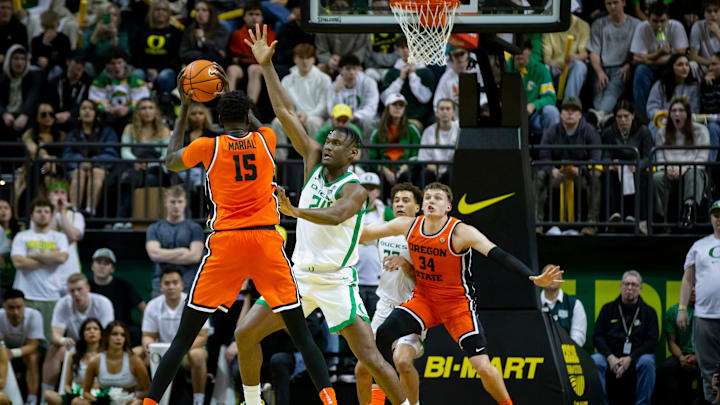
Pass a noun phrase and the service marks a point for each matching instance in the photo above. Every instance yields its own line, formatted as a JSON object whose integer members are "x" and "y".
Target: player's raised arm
{"x": 283, "y": 106}
{"x": 173, "y": 157}
{"x": 398, "y": 226}
{"x": 467, "y": 236}
{"x": 350, "y": 201}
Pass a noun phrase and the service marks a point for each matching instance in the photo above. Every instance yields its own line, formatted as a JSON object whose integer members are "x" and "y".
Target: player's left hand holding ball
{"x": 186, "y": 98}
{"x": 551, "y": 276}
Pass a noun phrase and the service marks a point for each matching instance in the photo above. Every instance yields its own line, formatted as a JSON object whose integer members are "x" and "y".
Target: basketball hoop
{"x": 427, "y": 24}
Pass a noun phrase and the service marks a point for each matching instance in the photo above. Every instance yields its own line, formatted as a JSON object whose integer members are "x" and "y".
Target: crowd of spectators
{"x": 111, "y": 79}
{"x": 638, "y": 77}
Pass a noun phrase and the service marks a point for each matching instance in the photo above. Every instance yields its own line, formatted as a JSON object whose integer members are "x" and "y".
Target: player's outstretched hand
{"x": 260, "y": 48}
{"x": 185, "y": 98}
{"x": 552, "y": 276}
{"x": 284, "y": 204}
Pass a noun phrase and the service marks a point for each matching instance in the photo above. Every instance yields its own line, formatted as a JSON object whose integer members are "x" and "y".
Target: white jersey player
{"x": 396, "y": 286}
{"x": 326, "y": 248}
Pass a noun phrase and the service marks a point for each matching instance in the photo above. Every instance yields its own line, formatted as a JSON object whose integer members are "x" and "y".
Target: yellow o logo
{"x": 156, "y": 41}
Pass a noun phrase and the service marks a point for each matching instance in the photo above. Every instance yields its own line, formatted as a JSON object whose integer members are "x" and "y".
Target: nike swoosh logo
{"x": 465, "y": 208}
{"x": 212, "y": 72}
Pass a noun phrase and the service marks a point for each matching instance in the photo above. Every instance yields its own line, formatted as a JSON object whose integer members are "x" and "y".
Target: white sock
{"x": 252, "y": 394}
{"x": 198, "y": 399}
{"x": 406, "y": 402}
{"x": 31, "y": 400}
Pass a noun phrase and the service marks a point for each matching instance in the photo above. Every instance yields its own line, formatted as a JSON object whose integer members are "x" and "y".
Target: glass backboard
{"x": 481, "y": 16}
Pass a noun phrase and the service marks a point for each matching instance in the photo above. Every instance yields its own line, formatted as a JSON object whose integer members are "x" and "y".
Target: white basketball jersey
{"x": 323, "y": 248}
{"x": 395, "y": 286}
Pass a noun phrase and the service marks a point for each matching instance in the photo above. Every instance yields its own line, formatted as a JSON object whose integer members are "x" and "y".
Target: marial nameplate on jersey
{"x": 241, "y": 144}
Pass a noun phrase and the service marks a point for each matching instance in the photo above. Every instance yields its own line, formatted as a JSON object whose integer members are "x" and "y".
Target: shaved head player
{"x": 240, "y": 167}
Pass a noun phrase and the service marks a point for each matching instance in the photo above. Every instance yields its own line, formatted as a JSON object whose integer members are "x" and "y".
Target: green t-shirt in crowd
{"x": 684, "y": 338}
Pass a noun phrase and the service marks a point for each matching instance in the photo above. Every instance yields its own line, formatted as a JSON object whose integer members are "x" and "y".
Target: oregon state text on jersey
{"x": 439, "y": 271}
{"x": 239, "y": 179}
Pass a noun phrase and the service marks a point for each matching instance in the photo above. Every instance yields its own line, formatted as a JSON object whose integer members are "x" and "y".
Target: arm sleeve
{"x": 594, "y": 45}
{"x": 637, "y": 45}
{"x": 36, "y": 327}
{"x": 578, "y": 328}
{"x": 583, "y": 37}
{"x": 546, "y": 95}
{"x": 422, "y": 93}
{"x": 689, "y": 259}
{"x": 199, "y": 150}
{"x": 670, "y": 325}
{"x": 509, "y": 261}
{"x": 425, "y": 154}
{"x": 414, "y": 139}
{"x": 62, "y": 242}
{"x": 149, "y": 322}
{"x": 393, "y": 88}
{"x": 151, "y": 234}
{"x": 655, "y": 100}
{"x": 126, "y": 151}
{"x": 370, "y": 101}
{"x": 546, "y": 47}
{"x": 4, "y": 243}
{"x": 197, "y": 233}
{"x": 108, "y": 312}
{"x": 59, "y": 315}
{"x": 678, "y": 37}
{"x": 695, "y": 36}
{"x": 702, "y": 138}
{"x": 19, "y": 248}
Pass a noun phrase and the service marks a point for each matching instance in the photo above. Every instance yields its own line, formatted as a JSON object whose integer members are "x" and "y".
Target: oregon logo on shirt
{"x": 714, "y": 252}
{"x": 156, "y": 45}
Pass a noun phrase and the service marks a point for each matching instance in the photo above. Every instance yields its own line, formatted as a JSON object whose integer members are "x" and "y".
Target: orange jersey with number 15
{"x": 239, "y": 178}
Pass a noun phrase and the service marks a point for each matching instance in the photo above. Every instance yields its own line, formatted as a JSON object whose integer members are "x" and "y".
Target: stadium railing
{"x": 643, "y": 204}
{"x": 127, "y": 196}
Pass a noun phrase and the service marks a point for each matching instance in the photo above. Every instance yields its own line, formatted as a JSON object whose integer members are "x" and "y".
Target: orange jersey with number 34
{"x": 240, "y": 178}
{"x": 439, "y": 271}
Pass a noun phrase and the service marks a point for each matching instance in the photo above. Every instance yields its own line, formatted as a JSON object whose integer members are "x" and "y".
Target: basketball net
{"x": 427, "y": 25}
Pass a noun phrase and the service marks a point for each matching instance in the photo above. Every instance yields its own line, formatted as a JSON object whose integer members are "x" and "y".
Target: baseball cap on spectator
{"x": 394, "y": 98}
{"x": 571, "y": 102}
{"x": 342, "y": 110}
{"x": 370, "y": 178}
{"x": 457, "y": 51}
{"x": 106, "y": 253}
{"x": 715, "y": 206}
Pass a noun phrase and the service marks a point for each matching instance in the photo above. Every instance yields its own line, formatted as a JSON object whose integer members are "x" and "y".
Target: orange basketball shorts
{"x": 457, "y": 314}
{"x": 236, "y": 255}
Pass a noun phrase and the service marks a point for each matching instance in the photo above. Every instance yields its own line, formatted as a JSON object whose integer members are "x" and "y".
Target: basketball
{"x": 201, "y": 78}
